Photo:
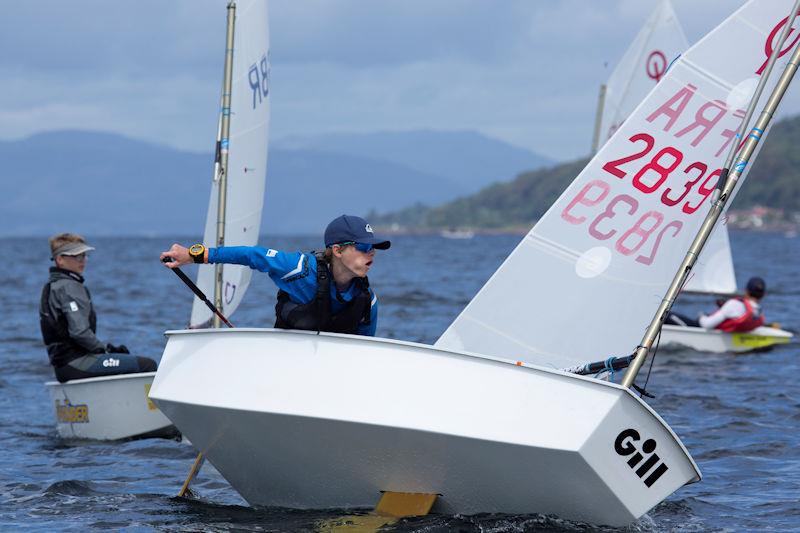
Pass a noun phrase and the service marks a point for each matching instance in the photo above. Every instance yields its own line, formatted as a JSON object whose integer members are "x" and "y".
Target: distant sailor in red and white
{"x": 738, "y": 314}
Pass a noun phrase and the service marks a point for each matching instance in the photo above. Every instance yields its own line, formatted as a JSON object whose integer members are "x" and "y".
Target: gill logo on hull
{"x": 626, "y": 444}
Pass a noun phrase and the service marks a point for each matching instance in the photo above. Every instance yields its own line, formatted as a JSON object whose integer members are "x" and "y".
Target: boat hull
{"x": 296, "y": 419}
{"x": 762, "y": 338}
{"x": 108, "y": 408}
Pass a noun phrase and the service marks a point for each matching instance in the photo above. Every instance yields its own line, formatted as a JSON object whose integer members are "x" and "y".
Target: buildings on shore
{"x": 764, "y": 219}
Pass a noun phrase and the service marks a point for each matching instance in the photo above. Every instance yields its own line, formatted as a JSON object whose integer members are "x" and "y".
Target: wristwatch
{"x": 197, "y": 252}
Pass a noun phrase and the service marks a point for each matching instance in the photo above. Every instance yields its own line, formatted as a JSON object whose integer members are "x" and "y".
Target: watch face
{"x": 196, "y": 249}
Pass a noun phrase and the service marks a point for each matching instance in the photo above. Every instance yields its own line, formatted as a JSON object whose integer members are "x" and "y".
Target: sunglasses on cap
{"x": 360, "y": 246}
{"x": 78, "y": 257}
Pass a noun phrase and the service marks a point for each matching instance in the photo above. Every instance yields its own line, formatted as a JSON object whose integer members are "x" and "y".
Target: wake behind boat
{"x": 108, "y": 408}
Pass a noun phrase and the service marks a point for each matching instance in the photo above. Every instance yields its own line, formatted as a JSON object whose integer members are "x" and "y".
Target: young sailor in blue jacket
{"x": 318, "y": 291}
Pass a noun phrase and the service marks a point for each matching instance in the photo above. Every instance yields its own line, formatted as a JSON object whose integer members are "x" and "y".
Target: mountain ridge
{"x": 106, "y": 184}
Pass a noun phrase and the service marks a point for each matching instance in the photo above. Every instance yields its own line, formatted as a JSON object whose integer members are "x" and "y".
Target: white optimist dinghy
{"x": 716, "y": 341}
{"x": 108, "y": 408}
{"x": 484, "y": 419}
{"x": 714, "y": 275}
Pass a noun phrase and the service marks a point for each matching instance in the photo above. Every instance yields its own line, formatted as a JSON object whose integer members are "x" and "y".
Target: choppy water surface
{"x": 738, "y": 415}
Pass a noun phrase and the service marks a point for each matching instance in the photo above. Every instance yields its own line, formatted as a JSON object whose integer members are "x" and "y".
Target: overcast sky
{"x": 526, "y": 71}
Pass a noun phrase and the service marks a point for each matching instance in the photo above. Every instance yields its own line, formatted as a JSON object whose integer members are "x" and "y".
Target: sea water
{"x": 738, "y": 415}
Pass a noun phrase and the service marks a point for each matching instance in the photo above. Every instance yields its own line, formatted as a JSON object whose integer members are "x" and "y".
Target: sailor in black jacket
{"x": 69, "y": 323}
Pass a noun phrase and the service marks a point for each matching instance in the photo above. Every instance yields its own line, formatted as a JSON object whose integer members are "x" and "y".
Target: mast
{"x": 222, "y": 151}
{"x": 598, "y": 118}
{"x": 725, "y": 187}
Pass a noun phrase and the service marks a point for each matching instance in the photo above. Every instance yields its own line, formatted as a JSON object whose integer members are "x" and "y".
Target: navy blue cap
{"x": 756, "y": 287}
{"x": 350, "y": 228}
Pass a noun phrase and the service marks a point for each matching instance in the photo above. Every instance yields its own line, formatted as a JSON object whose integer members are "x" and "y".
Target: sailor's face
{"x": 356, "y": 261}
{"x": 73, "y": 263}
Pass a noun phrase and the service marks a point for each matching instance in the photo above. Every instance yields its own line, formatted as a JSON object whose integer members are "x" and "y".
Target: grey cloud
{"x": 524, "y": 71}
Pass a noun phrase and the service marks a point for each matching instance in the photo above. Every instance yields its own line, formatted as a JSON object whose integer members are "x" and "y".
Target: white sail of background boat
{"x": 658, "y": 43}
{"x": 714, "y": 272}
{"x": 307, "y": 420}
{"x": 601, "y": 258}
{"x": 247, "y": 163}
{"x": 645, "y": 62}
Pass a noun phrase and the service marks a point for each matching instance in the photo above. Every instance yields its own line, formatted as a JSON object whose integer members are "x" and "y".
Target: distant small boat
{"x": 714, "y": 275}
{"x": 457, "y": 234}
{"x": 716, "y": 341}
{"x": 108, "y": 408}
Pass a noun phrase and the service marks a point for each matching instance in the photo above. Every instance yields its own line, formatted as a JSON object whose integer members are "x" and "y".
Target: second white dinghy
{"x": 716, "y": 341}
{"x": 714, "y": 275}
{"x": 108, "y": 408}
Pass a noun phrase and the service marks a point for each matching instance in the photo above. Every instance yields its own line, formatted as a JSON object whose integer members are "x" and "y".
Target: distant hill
{"x": 465, "y": 158}
{"x": 98, "y": 183}
{"x": 106, "y": 184}
{"x": 774, "y": 181}
{"x": 502, "y": 206}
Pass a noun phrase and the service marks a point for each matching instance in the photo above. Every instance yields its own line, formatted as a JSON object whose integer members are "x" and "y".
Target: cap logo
{"x": 368, "y": 228}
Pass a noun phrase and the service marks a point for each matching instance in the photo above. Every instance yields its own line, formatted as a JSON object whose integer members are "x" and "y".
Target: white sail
{"x": 713, "y": 273}
{"x": 660, "y": 41}
{"x": 247, "y": 163}
{"x": 586, "y": 281}
{"x": 645, "y": 62}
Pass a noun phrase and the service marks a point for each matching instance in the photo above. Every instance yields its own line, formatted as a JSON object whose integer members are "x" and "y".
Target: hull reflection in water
{"x": 305, "y": 420}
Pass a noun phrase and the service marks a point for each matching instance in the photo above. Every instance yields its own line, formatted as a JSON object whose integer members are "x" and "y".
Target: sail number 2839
{"x": 635, "y": 233}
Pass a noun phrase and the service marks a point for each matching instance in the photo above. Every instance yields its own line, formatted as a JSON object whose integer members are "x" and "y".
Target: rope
{"x": 608, "y": 366}
{"x": 643, "y": 390}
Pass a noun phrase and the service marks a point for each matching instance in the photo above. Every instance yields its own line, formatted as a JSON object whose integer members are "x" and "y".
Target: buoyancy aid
{"x": 61, "y": 348}
{"x": 316, "y": 315}
{"x": 750, "y": 320}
